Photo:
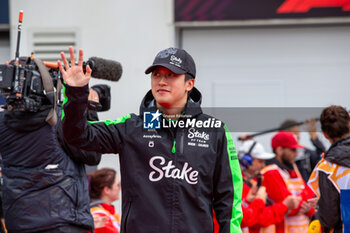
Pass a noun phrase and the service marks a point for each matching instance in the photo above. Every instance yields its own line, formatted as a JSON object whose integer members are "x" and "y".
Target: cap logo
{"x": 166, "y": 53}
{"x": 175, "y": 61}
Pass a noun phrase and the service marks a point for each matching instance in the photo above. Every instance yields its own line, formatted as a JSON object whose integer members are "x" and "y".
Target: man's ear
{"x": 278, "y": 151}
{"x": 105, "y": 190}
{"x": 189, "y": 84}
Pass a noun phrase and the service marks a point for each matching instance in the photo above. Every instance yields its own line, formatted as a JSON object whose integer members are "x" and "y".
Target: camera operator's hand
{"x": 93, "y": 95}
{"x": 312, "y": 128}
{"x": 74, "y": 75}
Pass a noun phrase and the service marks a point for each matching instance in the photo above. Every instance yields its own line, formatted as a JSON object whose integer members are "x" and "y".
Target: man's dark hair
{"x": 335, "y": 121}
{"x": 188, "y": 77}
{"x": 287, "y": 123}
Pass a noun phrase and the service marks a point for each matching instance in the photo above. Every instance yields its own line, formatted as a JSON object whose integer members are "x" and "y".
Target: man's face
{"x": 289, "y": 155}
{"x": 113, "y": 192}
{"x": 170, "y": 89}
{"x": 257, "y": 165}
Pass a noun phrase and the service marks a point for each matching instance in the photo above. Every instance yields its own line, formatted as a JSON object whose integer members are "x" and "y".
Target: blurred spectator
{"x": 331, "y": 178}
{"x": 306, "y": 159}
{"x": 252, "y": 157}
{"x": 260, "y": 218}
{"x": 282, "y": 178}
{"x": 104, "y": 189}
{"x": 257, "y": 217}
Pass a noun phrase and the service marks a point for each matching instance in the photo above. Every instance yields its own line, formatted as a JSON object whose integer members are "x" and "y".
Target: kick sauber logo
{"x": 169, "y": 171}
{"x": 151, "y": 120}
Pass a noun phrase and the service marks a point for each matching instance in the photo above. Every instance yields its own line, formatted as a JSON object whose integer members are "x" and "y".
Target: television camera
{"x": 30, "y": 85}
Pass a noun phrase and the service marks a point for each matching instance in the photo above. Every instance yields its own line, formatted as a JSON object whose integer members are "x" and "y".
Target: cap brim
{"x": 173, "y": 68}
{"x": 264, "y": 156}
{"x": 297, "y": 146}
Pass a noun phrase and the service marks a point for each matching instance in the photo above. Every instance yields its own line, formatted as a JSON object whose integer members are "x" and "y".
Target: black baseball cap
{"x": 176, "y": 60}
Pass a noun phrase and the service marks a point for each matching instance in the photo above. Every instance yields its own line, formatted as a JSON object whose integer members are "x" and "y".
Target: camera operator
{"x": 45, "y": 185}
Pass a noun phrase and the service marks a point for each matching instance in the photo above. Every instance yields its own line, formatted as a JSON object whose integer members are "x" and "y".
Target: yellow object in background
{"x": 315, "y": 227}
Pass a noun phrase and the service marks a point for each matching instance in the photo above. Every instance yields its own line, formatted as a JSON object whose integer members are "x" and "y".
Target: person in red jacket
{"x": 252, "y": 159}
{"x": 282, "y": 178}
{"x": 104, "y": 189}
{"x": 257, "y": 217}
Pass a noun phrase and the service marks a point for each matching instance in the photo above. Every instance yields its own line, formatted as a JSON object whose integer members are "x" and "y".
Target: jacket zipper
{"x": 173, "y": 150}
{"x": 173, "y": 183}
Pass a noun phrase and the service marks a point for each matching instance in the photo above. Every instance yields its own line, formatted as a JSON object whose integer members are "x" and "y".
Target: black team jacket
{"x": 172, "y": 178}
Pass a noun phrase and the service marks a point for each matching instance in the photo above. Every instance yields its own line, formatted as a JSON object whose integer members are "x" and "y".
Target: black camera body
{"x": 22, "y": 86}
{"x": 24, "y": 91}
{"x": 30, "y": 85}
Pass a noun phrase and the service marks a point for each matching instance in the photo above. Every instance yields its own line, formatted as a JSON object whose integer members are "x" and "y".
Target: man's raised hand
{"x": 74, "y": 75}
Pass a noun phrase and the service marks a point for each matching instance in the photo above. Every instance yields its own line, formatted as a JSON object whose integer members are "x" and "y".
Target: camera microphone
{"x": 104, "y": 68}
{"x": 101, "y": 68}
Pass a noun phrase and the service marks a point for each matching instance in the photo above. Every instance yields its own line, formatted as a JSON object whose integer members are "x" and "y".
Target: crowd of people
{"x": 176, "y": 179}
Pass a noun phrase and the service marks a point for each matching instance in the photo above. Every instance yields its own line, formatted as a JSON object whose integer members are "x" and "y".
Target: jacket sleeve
{"x": 100, "y": 136}
{"x": 252, "y": 212}
{"x": 272, "y": 214}
{"x": 227, "y": 189}
{"x": 320, "y": 148}
{"x": 78, "y": 155}
{"x": 273, "y": 179}
{"x": 275, "y": 186}
{"x": 329, "y": 203}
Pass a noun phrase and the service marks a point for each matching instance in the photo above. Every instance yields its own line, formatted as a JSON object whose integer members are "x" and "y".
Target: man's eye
{"x": 171, "y": 75}
{"x": 156, "y": 74}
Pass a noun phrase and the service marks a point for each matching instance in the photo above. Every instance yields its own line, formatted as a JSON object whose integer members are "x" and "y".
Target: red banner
{"x": 210, "y": 10}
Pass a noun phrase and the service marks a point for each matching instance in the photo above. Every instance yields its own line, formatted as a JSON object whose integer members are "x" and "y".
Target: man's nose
{"x": 162, "y": 80}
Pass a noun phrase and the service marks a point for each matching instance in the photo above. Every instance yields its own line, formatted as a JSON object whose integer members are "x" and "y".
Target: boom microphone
{"x": 104, "y": 68}
{"x": 274, "y": 130}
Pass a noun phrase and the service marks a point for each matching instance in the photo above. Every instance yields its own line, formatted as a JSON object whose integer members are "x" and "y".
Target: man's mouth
{"x": 162, "y": 91}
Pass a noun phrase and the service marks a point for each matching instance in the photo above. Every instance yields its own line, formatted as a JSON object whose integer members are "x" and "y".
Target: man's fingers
{"x": 88, "y": 71}
{"x": 81, "y": 57}
{"x": 72, "y": 57}
{"x": 64, "y": 59}
{"x": 60, "y": 66}
{"x": 64, "y": 74}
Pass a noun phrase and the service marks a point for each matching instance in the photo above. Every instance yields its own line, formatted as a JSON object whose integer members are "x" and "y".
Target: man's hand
{"x": 292, "y": 201}
{"x": 305, "y": 207}
{"x": 252, "y": 193}
{"x": 312, "y": 128}
{"x": 74, "y": 75}
{"x": 261, "y": 194}
{"x": 99, "y": 221}
{"x": 313, "y": 202}
{"x": 93, "y": 96}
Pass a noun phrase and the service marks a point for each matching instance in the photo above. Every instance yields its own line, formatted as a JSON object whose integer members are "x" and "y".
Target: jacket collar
{"x": 339, "y": 152}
